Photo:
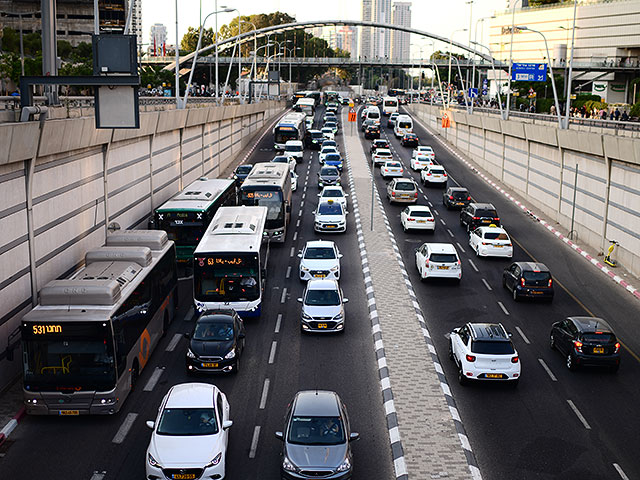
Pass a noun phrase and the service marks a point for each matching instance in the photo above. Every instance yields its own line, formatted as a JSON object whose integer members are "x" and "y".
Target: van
{"x": 294, "y": 149}
{"x": 403, "y": 125}
{"x": 373, "y": 113}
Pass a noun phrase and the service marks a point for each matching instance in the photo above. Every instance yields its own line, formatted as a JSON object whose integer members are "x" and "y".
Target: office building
{"x": 375, "y": 42}
{"x": 158, "y": 39}
{"x": 400, "y": 41}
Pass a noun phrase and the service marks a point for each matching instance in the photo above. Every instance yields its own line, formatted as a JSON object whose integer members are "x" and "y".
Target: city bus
{"x": 389, "y": 105}
{"x": 187, "y": 215}
{"x": 269, "y": 185}
{"x": 230, "y": 262}
{"x": 331, "y": 96}
{"x": 316, "y": 95}
{"x": 290, "y": 127}
{"x": 396, "y": 92}
{"x": 306, "y": 105}
{"x": 86, "y": 342}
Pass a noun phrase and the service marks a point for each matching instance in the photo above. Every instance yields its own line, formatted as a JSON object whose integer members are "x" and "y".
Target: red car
{"x": 409, "y": 140}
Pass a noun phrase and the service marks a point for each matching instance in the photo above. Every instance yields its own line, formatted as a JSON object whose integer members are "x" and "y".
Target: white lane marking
{"x": 288, "y": 271}
{"x": 153, "y": 380}
{"x": 524, "y": 337}
{"x": 443, "y": 222}
{"x": 125, "y": 427}
{"x": 579, "y": 415}
{"x": 284, "y": 295}
{"x": 100, "y": 475}
{"x": 295, "y": 236}
{"x": 473, "y": 265}
{"x": 503, "y": 308}
{"x": 302, "y": 204}
{"x": 450, "y": 232}
{"x": 548, "y": 370}
{"x": 487, "y": 285}
{"x": 436, "y": 212}
{"x": 292, "y": 251}
{"x": 298, "y": 223}
{"x": 620, "y": 472}
{"x": 265, "y": 392}
{"x": 300, "y": 212}
{"x": 254, "y": 442}
{"x": 460, "y": 247}
{"x": 278, "y": 322}
{"x": 272, "y": 353}
{"x": 173, "y": 343}
{"x": 181, "y": 279}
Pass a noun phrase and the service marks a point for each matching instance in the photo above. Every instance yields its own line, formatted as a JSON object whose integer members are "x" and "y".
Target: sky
{"x": 435, "y": 16}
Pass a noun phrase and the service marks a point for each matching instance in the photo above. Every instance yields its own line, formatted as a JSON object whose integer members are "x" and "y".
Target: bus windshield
{"x": 271, "y": 199}
{"x": 285, "y": 133}
{"x": 227, "y": 277}
{"x": 68, "y": 356}
{"x": 187, "y": 233}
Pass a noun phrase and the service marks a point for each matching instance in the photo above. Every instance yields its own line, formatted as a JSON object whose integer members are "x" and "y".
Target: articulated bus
{"x": 230, "y": 262}
{"x": 269, "y": 185}
{"x": 187, "y": 215}
{"x": 290, "y": 127}
{"x": 86, "y": 342}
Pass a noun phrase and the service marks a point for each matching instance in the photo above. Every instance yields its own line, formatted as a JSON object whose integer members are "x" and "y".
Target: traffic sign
{"x": 351, "y": 104}
{"x": 532, "y": 93}
{"x": 352, "y": 114}
{"x": 473, "y": 93}
{"x": 529, "y": 72}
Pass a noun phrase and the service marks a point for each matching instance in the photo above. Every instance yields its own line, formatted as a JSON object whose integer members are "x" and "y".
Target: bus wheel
{"x": 134, "y": 377}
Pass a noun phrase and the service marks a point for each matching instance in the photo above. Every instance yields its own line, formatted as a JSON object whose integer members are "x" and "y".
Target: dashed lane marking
{"x": 265, "y": 392}
{"x": 153, "y": 380}
{"x": 473, "y": 265}
{"x": 272, "y": 353}
{"x": 254, "y": 442}
{"x": 487, "y": 285}
{"x": 295, "y": 236}
{"x": 548, "y": 370}
{"x": 450, "y": 233}
{"x": 524, "y": 337}
{"x": 620, "y": 472}
{"x": 101, "y": 475}
{"x": 288, "y": 272}
{"x": 127, "y": 423}
{"x": 460, "y": 247}
{"x": 173, "y": 343}
{"x": 506, "y": 312}
{"x": 579, "y": 415}
{"x": 298, "y": 223}
{"x": 292, "y": 251}
{"x": 283, "y": 298}
{"x": 278, "y": 323}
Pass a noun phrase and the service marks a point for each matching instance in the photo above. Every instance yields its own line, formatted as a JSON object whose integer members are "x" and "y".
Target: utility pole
{"x": 49, "y": 48}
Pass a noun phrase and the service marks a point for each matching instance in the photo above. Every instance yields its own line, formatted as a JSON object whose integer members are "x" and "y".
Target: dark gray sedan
{"x": 317, "y": 438}
{"x": 328, "y": 176}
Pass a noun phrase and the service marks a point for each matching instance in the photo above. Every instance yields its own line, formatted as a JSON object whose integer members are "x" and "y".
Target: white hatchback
{"x": 190, "y": 433}
{"x": 491, "y": 241}
{"x": 391, "y": 168}
{"x": 438, "y": 260}
{"x": 419, "y": 162}
{"x": 330, "y": 216}
{"x": 319, "y": 259}
{"x": 434, "y": 175}
{"x": 417, "y": 217}
{"x": 335, "y": 193}
{"x": 380, "y": 156}
{"x": 328, "y": 133}
{"x": 424, "y": 151}
{"x": 325, "y": 151}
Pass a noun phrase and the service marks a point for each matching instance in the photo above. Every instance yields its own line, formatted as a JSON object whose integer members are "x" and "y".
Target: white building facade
{"x": 400, "y": 41}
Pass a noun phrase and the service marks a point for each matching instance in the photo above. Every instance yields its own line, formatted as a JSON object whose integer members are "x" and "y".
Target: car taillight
{"x": 617, "y": 345}
{"x": 508, "y": 245}
{"x": 550, "y": 283}
{"x": 428, "y": 174}
{"x": 577, "y": 345}
{"x": 432, "y": 219}
{"x": 415, "y": 195}
{"x": 471, "y": 358}
{"x": 393, "y": 194}
{"x": 450, "y": 197}
{"x": 522, "y": 282}
{"x": 475, "y": 218}
{"x": 426, "y": 263}
{"x": 410, "y": 219}
{"x": 497, "y": 219}
{"x": 486, "y": 243}
{"x": 445, "y": 175}
{"x": 469, "y": 198}
{"x": 514, "y": 359}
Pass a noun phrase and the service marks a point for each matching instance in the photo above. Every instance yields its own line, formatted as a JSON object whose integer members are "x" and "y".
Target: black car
{"x": 476, "y": 215}
{"x": 367, "y": 122}
{"x": 410, "y": 140}
{"x": 456, "y": 197}
{"x": 528, "y": 279}
{"x": 378, "y": 143}
{"x": 391, "y": 121}
{"x": 216, "y": 343}
{"x": 586, "y": 341}
{"x": 241, "y": 172}
{"x": 313, "y": 139}
{"x": 328, "y": 176}
{"x": 372, "y": 131}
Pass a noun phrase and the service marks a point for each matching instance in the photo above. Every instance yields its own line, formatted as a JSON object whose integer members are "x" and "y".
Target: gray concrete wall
{"x": 539, "y": 163}
{"x": 140, "y": 169}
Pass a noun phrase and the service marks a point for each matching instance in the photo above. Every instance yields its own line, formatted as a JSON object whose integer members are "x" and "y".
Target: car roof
{"x": 483, "y": 205}
{"x": 316, "y": 403}
{"x": 492, "y": 229}
{"x": 424, "y": 147}
{"x": 458, "y": 189}
{"x": 532, "y": 266}
{"x": 320, "y": 243}
{"x": 492, "y": 332}
{"x": 322, "y": 284}
{"x": 382, "y": 150}
{"x": 381, "y": 141}
{"x": 437, "y": 167}
{"x": 331, "y": 187}
{"x": 441, "y": 247}
{"x": 591, "y": 324}
{"x": 419, "y": 208}
{"x": 403, "y": 179}
{"x": 191, "y": 395}
{"x": 391, "y": 161}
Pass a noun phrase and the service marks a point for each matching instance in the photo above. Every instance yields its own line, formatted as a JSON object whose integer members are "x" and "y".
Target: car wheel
{"x": 462, "y": 380}
{"x": 571, "y": 363}
{"x": 404, "y": 227}
{"x": 478, "y": 252}
{"x": 514, "y": 293}
{"x": 236, "y": 366}
{"x": 451, "y": 357}
{"x": 552, "y": 342}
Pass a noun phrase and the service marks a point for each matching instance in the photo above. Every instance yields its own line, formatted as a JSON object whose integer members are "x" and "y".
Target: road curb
{"x": 594, "y": 261}
{"x": 11, "y": 425}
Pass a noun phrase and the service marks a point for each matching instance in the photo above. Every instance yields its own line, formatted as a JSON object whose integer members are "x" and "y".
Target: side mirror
{"x": 340, "y": 255}
{"x": 280, "y": 436}
{"x": 299, "y": 299}
{"x": 242, "y": 335}
{"x": 288, "y": 208}
{"x": 455, "y": 331}
{"x": 227, "y": 424}
{"x": 354, "y": 436}
{"x": 300, "y": 255}
{"x": 510, "y": 334}
{"x": 151, "y": 424}
{"x": 345, "y": 300}
{"x": 187, "y": 335}
{"x": 319, "y": 194}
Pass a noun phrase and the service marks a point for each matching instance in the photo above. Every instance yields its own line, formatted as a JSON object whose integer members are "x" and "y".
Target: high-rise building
{"x": 157, "y": 38}
{"x": 400, "y": 41}
{"x": 347, "y": 40}
{"x": 366, "y": 32}
{"x": 375, "y": 42}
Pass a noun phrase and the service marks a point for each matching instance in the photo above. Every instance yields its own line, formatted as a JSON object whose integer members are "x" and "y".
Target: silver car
{"x": 316, "y": 438}
{"x": 322, "y": 307}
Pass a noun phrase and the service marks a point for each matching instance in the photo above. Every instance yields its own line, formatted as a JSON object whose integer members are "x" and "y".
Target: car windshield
{"x": 244, "y": 169}
{"x": 213, "y": 331}
{"x": 329, "y": 171}
{"x": 492, "y": 347}
{"x": 316, "y": 134}
{"x": 496, "y": 236}
{"x": 281, "y": 160}
{"x": 383, "y": 153}
{"x": 332, "y": 193}
{"x": 333, "y": 157}
{"x": 460, "y": 195}
{"x": 420, "y": 213}
{"x": 393, "y": 164}
{"x": 326, "y": 130}
{"x": 187, "y": 422}
{"x": 330, "y": 209}
{"x": 316, "y": 431}
{"x": 330, "y": 124}
{"x": 329, "y": 149}
{"x": 322, "y": 298}
{"x": 293, "y": 148}
{"x": 405, "y": 186}
{"x": 320, "y": 253}
{"x": 443, "y": 257}
{"x": 599, "y": 338}
{"x": 536, "y": 276}
{"x": 485, "y": 212}
{"x": 437, "y": 171}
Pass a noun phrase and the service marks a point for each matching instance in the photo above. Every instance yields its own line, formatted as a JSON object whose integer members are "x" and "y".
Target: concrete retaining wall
{"x": 539, "y": 163}
{"x": 140, "y": 169}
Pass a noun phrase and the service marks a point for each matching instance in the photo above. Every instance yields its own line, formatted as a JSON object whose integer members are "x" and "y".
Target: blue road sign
{"x": 529, "y": 72}
{"x": 473, "y": 93}
{"x": 485, "y": 82}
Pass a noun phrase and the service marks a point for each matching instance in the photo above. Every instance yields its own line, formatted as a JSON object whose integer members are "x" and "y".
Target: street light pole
{"x": 513, "y": 19}
{"x": 449, "y": 75}
{"x": 567, "y": 103}
{"x": 493, "y": 68}
{"x": 239, "y": 49}
{"x": 177, "y": 87}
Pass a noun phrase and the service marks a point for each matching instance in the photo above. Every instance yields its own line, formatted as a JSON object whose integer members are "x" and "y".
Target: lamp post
{"x": 493, "y": 67}
{"x": 239, "y": 49}
{"x": 267, "y": 70}
{"x": 513, "y": 18}
{"x": 464, "y": 93}
{"x": 290, "y": 51}
{"x": 553, "y": 81}
{"x": 255, "y": 39}
{"x": 255, "y": 64}
{"x": 449, "y": 75}
{"x": 475, "y": 42}
{"x": 280, "y": 43}
{"x": 568, "y": 98}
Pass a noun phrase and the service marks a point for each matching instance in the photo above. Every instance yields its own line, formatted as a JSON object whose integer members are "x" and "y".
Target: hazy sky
{"x": 436, "y": 16}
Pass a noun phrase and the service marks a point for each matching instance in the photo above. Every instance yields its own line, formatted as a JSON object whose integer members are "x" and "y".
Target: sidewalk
{"x": 427, "y": 438}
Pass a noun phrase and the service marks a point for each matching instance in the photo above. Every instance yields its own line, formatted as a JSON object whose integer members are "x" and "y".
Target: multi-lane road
{"x": 556, "y": 425}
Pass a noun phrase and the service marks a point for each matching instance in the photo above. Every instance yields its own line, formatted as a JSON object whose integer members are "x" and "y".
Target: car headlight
{"x": 190, "y": 354}
{"x": 152, "y": 461}
{"x": 344, "y": 466}
{"x": 334, "y": 269}
{"x": 230, "y": 355}
{"x": 305, "y": 316}
{"x": 288, "y": 465}
{"x": 304, "y": 269}
{"x": 215, "y": 461}
{"x": 338, "y": 317}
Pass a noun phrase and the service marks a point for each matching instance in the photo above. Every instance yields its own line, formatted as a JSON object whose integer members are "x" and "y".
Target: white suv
{"x": 438, "y": 260}
{"x": 483, "y": 351}
{"x": 319, "y": 259}
{"x": 322, "y": 307}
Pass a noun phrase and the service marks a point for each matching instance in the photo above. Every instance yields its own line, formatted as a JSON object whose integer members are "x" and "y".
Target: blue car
{"x": 333, "y": 160}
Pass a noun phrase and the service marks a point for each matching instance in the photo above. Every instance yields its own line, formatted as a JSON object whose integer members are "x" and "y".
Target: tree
{"x": 189, "y": 41}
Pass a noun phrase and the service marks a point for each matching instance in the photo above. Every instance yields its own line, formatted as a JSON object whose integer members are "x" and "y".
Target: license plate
{"x": 598, "y": 350}
{"x": 183, "y": 476}
{"x": 498, "y": 246}
{"x": 443, "y": 267}
{"x": 404, "y": 195}
{"x": 330, "y": 226}
{"x": 319, "y": 275}
{"x": 536, "y": 292}
{"x": 322, "y": 325}
{"x": 68, "y": 412}
{"x": 421, "y": 221}
{"x": 209, "y": 365}
{"x": 459, "y": 203}
{"x": 493, "y": 375}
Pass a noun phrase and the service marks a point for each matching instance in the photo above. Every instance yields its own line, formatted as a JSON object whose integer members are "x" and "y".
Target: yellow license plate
{"x": 493, "y": 375}
{"x": 598, "y": 350}
{"x": 331, "y": 226}
{"x": 209, "y": 365}
{"x": 183, "y": 476}
{"x": 319, "y": 275}
{"x": 421, "y": 221}
{"x": 498, "y": 246}
{"x": 322, "y": 325}
{"x": 442, "y": 267}
{"x": 68, "y": 412}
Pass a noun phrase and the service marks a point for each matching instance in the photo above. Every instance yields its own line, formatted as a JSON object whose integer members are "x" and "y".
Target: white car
{"x": 434, "y": 175}
{"x": 294, "y": 149}
{"x": 294, "y": 180}
{"x": 417, "y": 217}
{"x": 286, "y": 159}
{"x": 438, "y": 260}
{"x": 322, "y": 307}
{"x": 491, "y": 241}
{"x": 420, "y": 162}
{"x": 319, "y": 259}
{"x": 335, "y": 193}
{"x": 484, "y": 352}
{"x": 328, "y": 133}
{"x": 190, "y": 433}
{"x": 391, "y": 169}
{"x": 330, "y": 216}
{"x": 380, "y": 156}
{"x": 424, "y": 151}
{"x": 325, "y": 150}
